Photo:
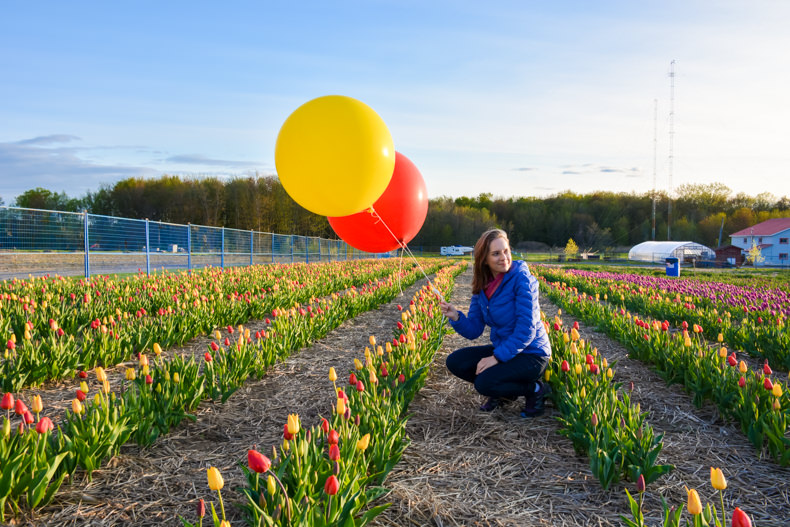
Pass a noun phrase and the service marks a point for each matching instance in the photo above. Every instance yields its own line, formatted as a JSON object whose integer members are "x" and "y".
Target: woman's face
{"x": 499, "y": 258}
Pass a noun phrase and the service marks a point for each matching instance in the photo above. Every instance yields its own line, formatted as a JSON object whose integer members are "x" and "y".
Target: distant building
{"x": 658, "y": 252}
{"x": 729, "y": 255}
{"x": 455, "y": 250}
{"x": 771, "y": 236}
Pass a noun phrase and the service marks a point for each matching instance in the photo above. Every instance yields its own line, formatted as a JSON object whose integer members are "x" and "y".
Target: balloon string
{"x": 405, "y": 248}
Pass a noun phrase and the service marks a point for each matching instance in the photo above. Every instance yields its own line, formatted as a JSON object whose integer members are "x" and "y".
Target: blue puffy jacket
{"x": 513, "y": 314}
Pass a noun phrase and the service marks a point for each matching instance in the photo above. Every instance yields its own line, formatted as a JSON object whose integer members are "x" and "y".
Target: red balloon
{"x": 402, "y": 207}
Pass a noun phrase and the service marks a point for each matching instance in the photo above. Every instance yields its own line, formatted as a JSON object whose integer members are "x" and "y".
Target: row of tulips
{"x": 762, "y": 332}
{"x": 52, "y": 334}
{"x": 155, "y": 396}
{"x": 331, "y": 473}
{"x": 756, "y": 399}
{"x": 597, "y": 415}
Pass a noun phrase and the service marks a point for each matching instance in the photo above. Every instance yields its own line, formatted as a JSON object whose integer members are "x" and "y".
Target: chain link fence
{"x": 39, "y": 242}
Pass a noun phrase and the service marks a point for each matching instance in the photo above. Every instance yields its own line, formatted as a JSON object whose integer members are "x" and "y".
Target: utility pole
{"x": 655, "y": 154}
{"x": 671, "y": 143}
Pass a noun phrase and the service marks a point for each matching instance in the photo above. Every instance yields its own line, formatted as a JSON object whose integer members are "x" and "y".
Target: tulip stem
{"x": 723, "y": 517}
{"x": 285, "y": 494}
{"x": 221, "y": 504}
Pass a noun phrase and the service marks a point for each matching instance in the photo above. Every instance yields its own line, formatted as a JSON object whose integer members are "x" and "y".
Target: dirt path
{"x": 465, "y": 467}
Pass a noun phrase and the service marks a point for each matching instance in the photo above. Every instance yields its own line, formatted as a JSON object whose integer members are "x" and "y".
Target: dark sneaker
{"x": 535, "y": 402}
{"x": 491, "y": 404}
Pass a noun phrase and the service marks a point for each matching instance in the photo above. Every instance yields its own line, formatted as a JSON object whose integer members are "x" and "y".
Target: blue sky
{"x": 521, "y": 98}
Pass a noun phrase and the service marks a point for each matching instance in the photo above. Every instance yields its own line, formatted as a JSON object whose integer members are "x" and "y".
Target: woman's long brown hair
{"x": 483, "y": 274}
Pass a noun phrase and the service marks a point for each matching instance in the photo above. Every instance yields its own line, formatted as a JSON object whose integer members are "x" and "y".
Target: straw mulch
{"x": 463, "y": 467}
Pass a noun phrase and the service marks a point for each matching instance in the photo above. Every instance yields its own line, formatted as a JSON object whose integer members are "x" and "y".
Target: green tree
{"x": 571, "y": 249}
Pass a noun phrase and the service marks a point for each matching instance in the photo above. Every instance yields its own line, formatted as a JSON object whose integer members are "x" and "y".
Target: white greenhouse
{"x": 658, "y": 252}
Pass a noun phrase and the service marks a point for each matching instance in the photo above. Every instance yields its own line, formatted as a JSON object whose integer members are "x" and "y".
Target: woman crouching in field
{"x": 504, "y": 297}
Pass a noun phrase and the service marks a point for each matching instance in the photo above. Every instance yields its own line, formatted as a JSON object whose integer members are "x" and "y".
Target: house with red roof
{"x": 771, "y": 236}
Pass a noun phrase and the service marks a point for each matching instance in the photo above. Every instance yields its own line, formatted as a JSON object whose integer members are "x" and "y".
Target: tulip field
{"x": 316, "y": 395}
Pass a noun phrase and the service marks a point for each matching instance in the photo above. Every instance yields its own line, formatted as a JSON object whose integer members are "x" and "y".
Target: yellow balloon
{"x": 334, "y": 156}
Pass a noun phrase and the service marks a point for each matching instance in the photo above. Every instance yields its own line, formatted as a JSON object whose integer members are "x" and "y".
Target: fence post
{"x": 189, "y": 248}
{"x": 147, "y": 250}
{"x": 306, "y": 249}
{"x": 251, "y": 245}
{"x": 273, "y": 235}
{"x": 87, "y": 245}
{"x": 222, "y": 250}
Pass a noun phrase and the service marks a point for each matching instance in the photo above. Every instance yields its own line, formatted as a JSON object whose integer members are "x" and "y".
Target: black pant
{"x": 509, "y": 379}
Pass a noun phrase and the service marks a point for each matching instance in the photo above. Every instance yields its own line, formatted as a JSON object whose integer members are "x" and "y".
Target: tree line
{"x": 596, "y": 221}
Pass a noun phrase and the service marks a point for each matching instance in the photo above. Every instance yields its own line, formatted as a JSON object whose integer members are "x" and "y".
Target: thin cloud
{"x": 49, "y": 139}
{"x": 34, "y": 163}
{"x": 198, "y": 159}
{"x": 522, "y": 169}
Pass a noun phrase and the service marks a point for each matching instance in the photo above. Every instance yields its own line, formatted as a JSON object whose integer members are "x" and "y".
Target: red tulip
{"x": 741, "y": 382}
{"x": 401, "y": 378}
{"x": 576, "y": 325}
{"x": 44, "y": 425}
{"x": 685, "y": 325}
{"x": 740, "y": 519}
{"x": 332, "y": 485}
{"x": 28, "y": 418}
{"x": 565, "y": 366}
{"x": 19, "y": 407}
{"x": 149, "y": 379}
{"x": 7, "y": 402}
{"x": 767, "y": 384}
{"x": 325, "y": 425}
{"x": 333, "y": 437}
{"x": 589, "y": 359}
{"x": 352, "y": 380}
{"x": 767, "y": 369}
{"x": 81, "y": 395}
{"x": 360, "y": 386}
{"x": 258, "y": 462}
{"x": 201, "y": 508}
{"x": 208, "y": 357}
{"x": 334, "y": 453}
{"x": 732, "y": 361}
{"x": 227, "y": 341}
{"x": 286, "y": 434}
{"x": 640, "y": 483}
{"x": 594, "y": 369}
{"x": 83, "y": 374}
{"x": 214, "y": 346}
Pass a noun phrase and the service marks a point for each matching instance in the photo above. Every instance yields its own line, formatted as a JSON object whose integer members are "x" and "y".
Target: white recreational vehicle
{"x": 455, "y": 250}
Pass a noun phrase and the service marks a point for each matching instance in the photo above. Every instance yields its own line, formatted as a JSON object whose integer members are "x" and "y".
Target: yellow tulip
{"x": 157, "y": 349}
{"x": 743, "y": 367}
{"x": 271, "y": 485}
{"x": 143, "y": 359}
{"x": 565, "y": 338}
{"x": 720, "y": 338}
{"x": 341, "y": 406}
{"x": 358, "y": 364}
{"x": 332, "y": 374}
{"x": 777, "y": 390}
{"x": 687, "y": 341}
{"x": 106, "y": 386}
{"x": 215, "y": 481}
{"x": 101, "y": 376}
{"x": 388, "y": 347}
{"x": 694, "y": 504}
{"x": 573, "y": 348}
{"x": 84, "y": 387}
{"x": 547, "y": 375}
{"x": 145, "y": 370}
{"x": 217, "y": 335}
{"x": 363, "y": 443}
{"x": 604, "y": 363}
{"x": 293, "y": 424}
{"x": 372, "y": 341}
{"x": 574, "y": 334}
{"x": 76, "y": 406}
{"x": 777, "y": 405}
{"x": 176, "y": 378}
{"x": 583, "y": 393}
{"x": 131, "y": 374}
{"x": 224, "y": 523}
{"x": 609, "y": 373}
{"x": 717, "y": 479}
{"x": 578, "y": 369}
{"x": 723, "y": 352}
{"x": 36, "y": 405}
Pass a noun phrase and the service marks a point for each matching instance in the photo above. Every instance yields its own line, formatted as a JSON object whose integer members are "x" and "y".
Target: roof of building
{"x": 766, "y": 228}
